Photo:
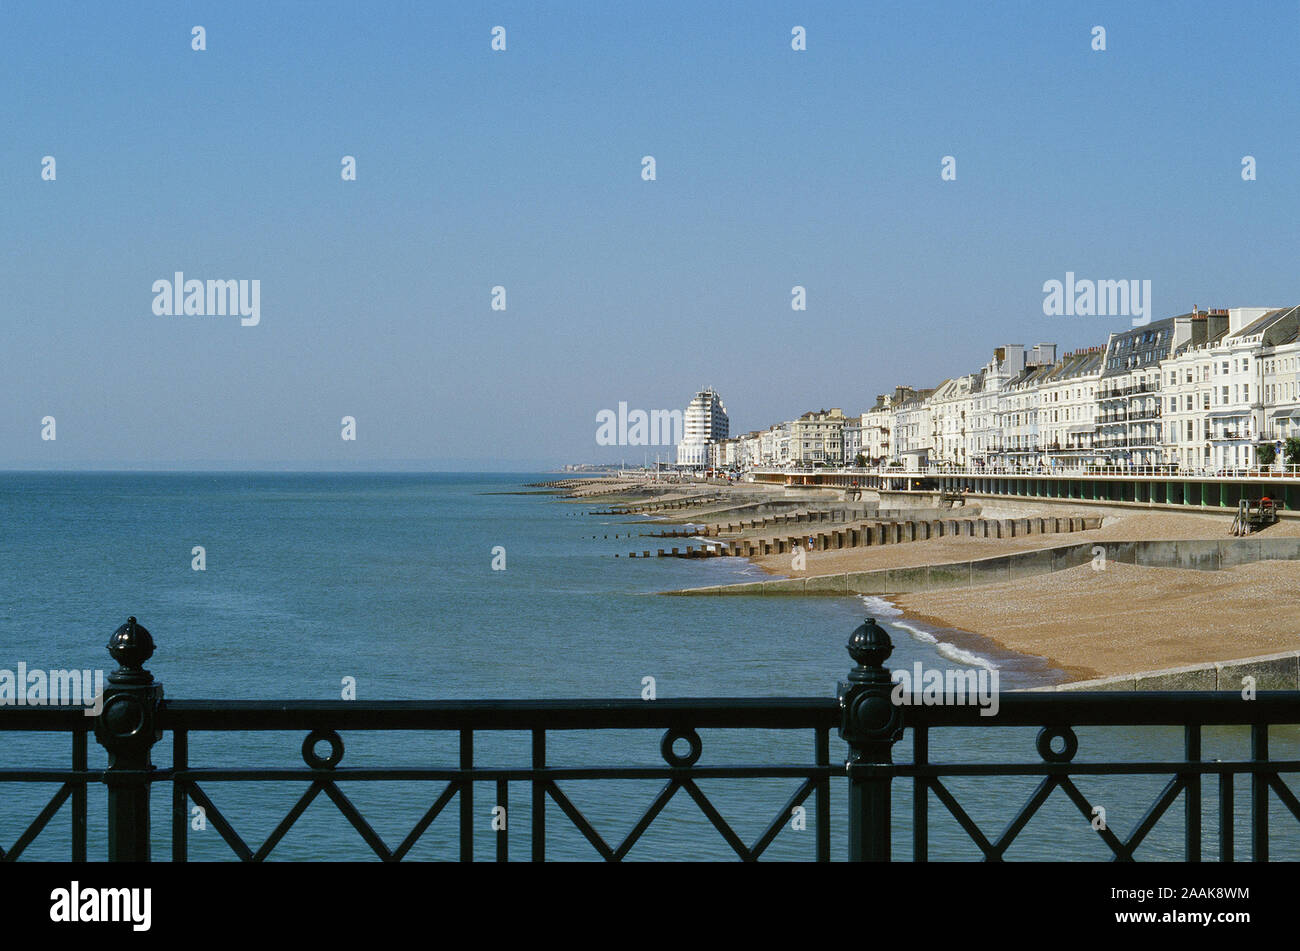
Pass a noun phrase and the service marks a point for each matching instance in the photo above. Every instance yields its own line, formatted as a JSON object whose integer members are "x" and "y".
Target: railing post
{"x": 127, "y": 727}
{"x": 870, "y": 723}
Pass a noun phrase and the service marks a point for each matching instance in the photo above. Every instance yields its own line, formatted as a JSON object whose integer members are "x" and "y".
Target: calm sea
{"x": 314, "y": 578}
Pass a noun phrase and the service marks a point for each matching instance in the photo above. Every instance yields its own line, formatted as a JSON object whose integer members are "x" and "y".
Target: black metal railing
{"x": 134, "y": 716}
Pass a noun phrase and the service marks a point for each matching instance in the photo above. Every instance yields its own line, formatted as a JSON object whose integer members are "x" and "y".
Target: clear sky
{"x": 522, "y": 168}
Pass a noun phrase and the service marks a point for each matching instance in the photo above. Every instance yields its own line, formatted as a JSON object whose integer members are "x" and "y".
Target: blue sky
{"x": 522, "y": 168}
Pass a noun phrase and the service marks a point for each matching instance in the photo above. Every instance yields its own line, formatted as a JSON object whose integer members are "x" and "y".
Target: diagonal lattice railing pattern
{"x": 680, "y": 775}
{"x": 1059, "y": 770}
{"x": 869, "y": 715}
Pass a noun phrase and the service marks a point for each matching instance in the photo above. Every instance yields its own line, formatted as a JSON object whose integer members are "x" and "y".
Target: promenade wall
{"x": 1279, "y": 671}
{"x": 1198, "y": 555}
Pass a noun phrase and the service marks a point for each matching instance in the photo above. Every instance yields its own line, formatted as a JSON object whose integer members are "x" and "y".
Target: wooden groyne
{"x": 887, "y": 533}
{"x": 849, "y": 516}
{"x": 672, "y": 505}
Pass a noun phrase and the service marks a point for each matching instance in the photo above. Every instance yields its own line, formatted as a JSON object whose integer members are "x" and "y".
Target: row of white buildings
{"x": 1201, "y": 390}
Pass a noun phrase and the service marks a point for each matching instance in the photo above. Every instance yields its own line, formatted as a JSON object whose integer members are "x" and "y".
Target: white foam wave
{"x": 879, "y": 607}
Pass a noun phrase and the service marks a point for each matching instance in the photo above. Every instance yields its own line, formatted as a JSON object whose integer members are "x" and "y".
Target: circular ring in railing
{"x": 123, "y": 716}
{"x": 1048, "y": 734}
{"x": 309, "y": 749}
{"x": 670, "y": 739}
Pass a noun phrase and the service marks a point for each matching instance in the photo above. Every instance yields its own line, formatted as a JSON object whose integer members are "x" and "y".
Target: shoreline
{"x": 1124, "y": 621}
{"x": 967, "y": 647}
{"x": 1127, "y": 619}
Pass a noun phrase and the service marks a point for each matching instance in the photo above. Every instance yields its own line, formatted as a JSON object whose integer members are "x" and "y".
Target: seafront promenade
{"x": 1142, "y": 485}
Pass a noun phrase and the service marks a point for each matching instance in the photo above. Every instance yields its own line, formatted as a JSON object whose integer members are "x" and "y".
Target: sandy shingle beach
{"x": 1122, "y": 620}
{"x": 1127, "y": 619}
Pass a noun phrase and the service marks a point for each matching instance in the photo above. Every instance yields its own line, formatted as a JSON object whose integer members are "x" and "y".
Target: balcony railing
{"x": 134, "y": 717}
{"x": 1162, "y": 470}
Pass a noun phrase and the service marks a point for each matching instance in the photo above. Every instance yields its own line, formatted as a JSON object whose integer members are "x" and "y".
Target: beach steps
{"x": 885, "y": 533}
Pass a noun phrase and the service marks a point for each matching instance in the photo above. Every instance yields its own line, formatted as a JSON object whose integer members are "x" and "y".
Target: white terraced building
{"x": 986, "y": 402}
{"x": 1187, "y": 390}
{"x": 1068, "y": 408}
{"x": 1219, "y": 403}
{"x": 1202, "y": 390}
{"x": 952, "y": 406}
{"x": 1280, "y": 377}
{"x": 1129, "y": 408}
{"x": 852, "y": 439}
{"x": 913, "y": 430}
{"x": 1016, "y": 417}
{"x": 877, "y": 429}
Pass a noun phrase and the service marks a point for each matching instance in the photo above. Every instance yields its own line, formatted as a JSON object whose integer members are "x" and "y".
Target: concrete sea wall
{"x": 1199, "y": 555}
{"x": 1271, "y": 672}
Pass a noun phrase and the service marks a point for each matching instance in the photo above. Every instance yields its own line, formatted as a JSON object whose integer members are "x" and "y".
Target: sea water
{"x": 314, "y": 584}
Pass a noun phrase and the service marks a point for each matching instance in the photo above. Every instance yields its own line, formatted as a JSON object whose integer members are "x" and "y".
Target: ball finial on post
{"x": 871, "y": 724}
{"x": 128, "y": 725}
{"x": 131, "y": 645}
{"x": 870, "y": 645}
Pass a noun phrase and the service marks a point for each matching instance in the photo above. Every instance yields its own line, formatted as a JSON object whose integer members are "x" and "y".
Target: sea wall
{"x": 1270, "y": 672}
{"x": 1198, "y": 555}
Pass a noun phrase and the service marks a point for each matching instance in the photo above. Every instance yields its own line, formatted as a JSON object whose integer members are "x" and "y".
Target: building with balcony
{"x": 952, "y": 413}
{"x": 817, "y": 438}
{"x": 1129, "y": 429}
{"x": 1016, "y": 416}
{"x": 704, "y": 423}
{"x": 1067, "y": 413}
{"x": 1279, "y": 366}
{"x": 1187, "y": 389}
